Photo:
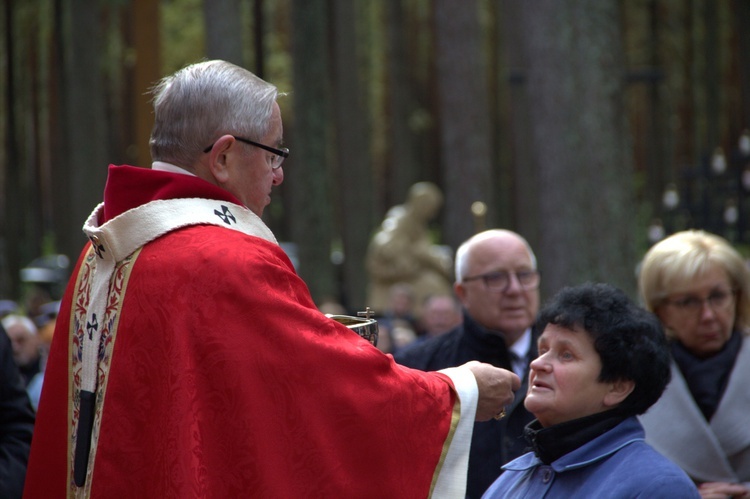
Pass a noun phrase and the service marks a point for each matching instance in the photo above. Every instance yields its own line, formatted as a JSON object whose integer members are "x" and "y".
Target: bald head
{"x": 489, "y": 238}
{"x": 497, "y": 282}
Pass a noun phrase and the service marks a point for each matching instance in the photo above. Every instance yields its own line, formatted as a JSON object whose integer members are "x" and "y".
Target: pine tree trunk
{"x": 580, "y": 142}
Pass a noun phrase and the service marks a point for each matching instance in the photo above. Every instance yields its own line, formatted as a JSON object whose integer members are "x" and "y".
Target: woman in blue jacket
{"x": 602, "y": 361}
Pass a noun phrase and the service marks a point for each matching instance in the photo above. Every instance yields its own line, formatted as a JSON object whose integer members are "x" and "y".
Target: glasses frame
{"x": 682, "y": 305}
{"x": 487, "y": 275}
{"x": 282, "y": 153}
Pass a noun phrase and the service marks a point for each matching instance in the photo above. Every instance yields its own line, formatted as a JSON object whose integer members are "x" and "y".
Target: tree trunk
{"x": 464, "y": 120}
{"x": 223, "y": 30}
{"x": 353, "y": 187}
{"x": 308, "y": 167}
{"x": 402, "y": 161}
{"x": 146, "y": 71}
{"x": 579, "y": 133}
{"x": 10, "y": 258}
{"x": 741, "y": 20}
{"x": 522, "y": 172}
{"x": 84, "y": 123}
{"x": 258, "y": 39}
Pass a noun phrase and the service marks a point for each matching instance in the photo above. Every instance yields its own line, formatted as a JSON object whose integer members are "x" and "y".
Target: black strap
{"x": 83, "y": 438}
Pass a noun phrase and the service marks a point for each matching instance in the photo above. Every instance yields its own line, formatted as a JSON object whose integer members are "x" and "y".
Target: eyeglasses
{"x": 718, "y": 299}
{"x": 280, "y": 154}
{"x": 500, "y": 280}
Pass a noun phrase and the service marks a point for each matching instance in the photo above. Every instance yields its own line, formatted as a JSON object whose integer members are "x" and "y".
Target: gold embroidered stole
{"x": 80, "y": 304}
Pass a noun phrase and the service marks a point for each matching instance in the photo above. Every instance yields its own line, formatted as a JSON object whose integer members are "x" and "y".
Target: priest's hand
{"x": 496, "y": 387}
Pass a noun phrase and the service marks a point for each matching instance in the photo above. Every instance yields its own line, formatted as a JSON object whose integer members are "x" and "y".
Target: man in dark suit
{"x": 497, "y": 283}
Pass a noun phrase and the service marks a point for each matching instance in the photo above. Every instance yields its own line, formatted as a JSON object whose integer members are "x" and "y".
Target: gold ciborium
{"x": 365, "y": 326}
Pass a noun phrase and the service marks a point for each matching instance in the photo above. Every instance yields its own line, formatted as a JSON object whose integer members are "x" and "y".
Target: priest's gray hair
{"x": 201, "y": 102}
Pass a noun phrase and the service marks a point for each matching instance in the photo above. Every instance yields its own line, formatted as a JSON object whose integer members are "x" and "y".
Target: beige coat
{"x": 718, "y": 451}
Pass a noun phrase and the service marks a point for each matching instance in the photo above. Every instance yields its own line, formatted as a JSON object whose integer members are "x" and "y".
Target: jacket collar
{"x": 486, "y": 343}
{"x": 556, "y": 441}
{"x": 625, "y": 433}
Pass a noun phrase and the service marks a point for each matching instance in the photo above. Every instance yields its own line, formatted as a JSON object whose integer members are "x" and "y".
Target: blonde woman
{"x": 699, "y": 287}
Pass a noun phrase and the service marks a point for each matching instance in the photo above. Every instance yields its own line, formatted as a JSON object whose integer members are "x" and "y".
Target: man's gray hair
{"x": 12, "y": 320}
{"x": 462, "y": 261}
{"x": 196, "y": 105}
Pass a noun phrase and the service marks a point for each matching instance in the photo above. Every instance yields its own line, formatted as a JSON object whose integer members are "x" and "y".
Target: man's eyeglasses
{"x": 718, "y": 299}
{"x": 500, "y": 280}
{"x": 276, "y": 160}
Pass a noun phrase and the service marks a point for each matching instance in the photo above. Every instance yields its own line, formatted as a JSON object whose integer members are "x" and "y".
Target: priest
{"x": 189, "y": 359}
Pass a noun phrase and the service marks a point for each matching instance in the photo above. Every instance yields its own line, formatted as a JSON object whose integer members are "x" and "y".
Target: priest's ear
{"x": 218, "y": 158}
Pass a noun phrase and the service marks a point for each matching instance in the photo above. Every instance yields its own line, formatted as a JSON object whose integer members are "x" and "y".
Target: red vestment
{"x": 218, "y": 376}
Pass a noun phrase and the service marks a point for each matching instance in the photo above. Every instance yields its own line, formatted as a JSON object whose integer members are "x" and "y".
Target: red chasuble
{"x": 216, "y": 376}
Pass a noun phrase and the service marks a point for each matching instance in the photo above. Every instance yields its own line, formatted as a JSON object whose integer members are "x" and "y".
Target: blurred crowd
{"x": 27, "y": 324}
{"x": 29, "y": 320}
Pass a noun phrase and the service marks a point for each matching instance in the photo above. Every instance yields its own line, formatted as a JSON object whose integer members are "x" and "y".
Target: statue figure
{"x": 401, "y": 251}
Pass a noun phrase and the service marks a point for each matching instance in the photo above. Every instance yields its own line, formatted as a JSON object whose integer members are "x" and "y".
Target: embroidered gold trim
{"x": 455, "y": 416}
{"x": 80, "y": 303}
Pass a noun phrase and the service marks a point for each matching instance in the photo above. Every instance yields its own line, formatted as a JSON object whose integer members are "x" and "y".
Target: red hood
{"x": 130, "y": 186}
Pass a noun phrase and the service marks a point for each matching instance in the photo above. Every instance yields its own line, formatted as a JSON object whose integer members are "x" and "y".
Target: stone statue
{"x": 401, "y": 251}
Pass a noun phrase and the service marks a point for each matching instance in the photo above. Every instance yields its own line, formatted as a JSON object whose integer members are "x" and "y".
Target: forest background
{"x": 591, "y": 127}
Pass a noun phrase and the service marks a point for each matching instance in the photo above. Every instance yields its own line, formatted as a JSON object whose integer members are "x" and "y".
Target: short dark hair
{"x": 630, "y": 340}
